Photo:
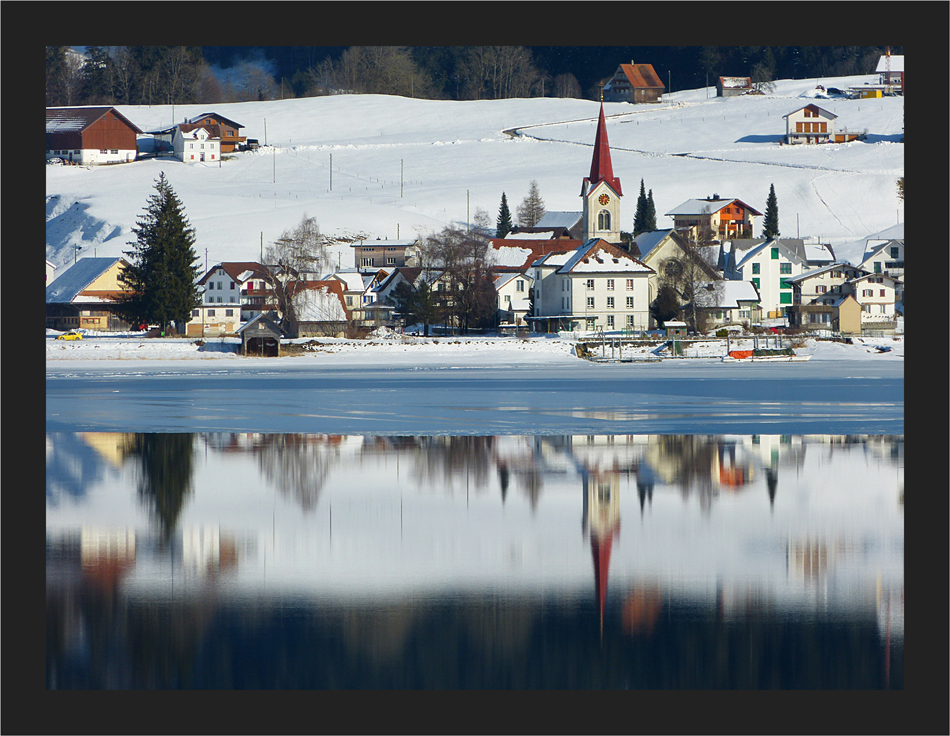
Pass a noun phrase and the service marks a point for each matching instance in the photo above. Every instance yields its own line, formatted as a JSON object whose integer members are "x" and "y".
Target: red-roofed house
{"x": 90, "y": 135}
{"x": 634, "y": 83}
{"x": 233, "y": 292}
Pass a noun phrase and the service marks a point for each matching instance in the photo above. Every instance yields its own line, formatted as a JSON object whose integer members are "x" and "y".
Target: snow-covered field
{"x": 401, "y": 167}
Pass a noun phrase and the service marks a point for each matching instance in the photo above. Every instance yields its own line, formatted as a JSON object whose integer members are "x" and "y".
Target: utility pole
{"x": 331, "y": 172}
{"x": 400, "y": 178}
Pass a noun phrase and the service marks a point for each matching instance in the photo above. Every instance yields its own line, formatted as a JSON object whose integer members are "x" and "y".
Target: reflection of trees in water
{"x": 690, "y": 458}
{"x": 441, "y": 462}
{"x": 298, "y": 464}
{"x": 166, "y": 465}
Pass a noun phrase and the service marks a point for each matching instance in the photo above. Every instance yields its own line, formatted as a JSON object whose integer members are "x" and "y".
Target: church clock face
{"x": 603, "y": 199}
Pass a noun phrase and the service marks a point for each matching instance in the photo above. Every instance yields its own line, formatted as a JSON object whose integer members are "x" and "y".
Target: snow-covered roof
{"x": 646, "y": 242}
{"x": 599, "y": 256}
{"x": 506, "y": 278}
{"x": 319, "y": 303}
{"x": 69, "y": 284}
{"x": 559, "y": 219}
{"x": 896, "y": 63}
{"x": 818, "y": 252}
{"x": 813, "y": 272}
{"x": 701, "y": 206}
{"x": 877, "y": 247}
{"x": 534, "y": 235}
{"x": 352, "y": 279}
{"x": 735, "y": 82}
{"x": 725, "y": 294}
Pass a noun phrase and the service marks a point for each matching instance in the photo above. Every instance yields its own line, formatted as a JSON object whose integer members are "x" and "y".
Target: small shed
{"x": 733, "y": 86}
{"x": 261, "y": 336}
{"x": 675, "y": 329}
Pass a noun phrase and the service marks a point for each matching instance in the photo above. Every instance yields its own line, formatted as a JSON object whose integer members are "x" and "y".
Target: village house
{"x": 877, "y": 295}
{"x": 818, "y": 299}
{"x": 723, "y": 303}
{"x": 232, "y": 292}
{"x": 91, "y": 135}
{"x": 513, "y": 292}
{"x": 320, "y": 308}
{"x": 809, "y": 124}
{"x": 723, "y": 218}
{"x": 890, "y": 67}
{"x": 769, "y": 265}
{"x": 376, "y": 254}
{"x": 219, "y": 127}
{"x": 634, "y": 83}
{"x": 666, "y": 252}
{"x": 193, "y": 144}
{"x": 886, "y": 257}
{"x": 86, "y": 296}
{"x": 733, "y": 86}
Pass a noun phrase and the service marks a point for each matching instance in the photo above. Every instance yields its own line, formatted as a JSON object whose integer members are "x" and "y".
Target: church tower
{"x": 601, "y": 191}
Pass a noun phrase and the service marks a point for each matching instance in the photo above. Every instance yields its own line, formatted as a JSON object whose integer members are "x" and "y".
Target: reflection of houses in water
{"x": 107, "y": 555}
{"x": 206, "y": 552}
{"x": 642, "y": 608}
{"x": 113, "y": 447}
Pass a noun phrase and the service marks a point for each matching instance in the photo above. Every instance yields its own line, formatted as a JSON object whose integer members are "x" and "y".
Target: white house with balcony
{"x": 809, "y": 124}
{"x": 886, "y": 257}
{"x": 596, "y": 287}
{"x": 513, "y": 292}
{"x": 877, "y": 295}
{"x": 231, "y": 292}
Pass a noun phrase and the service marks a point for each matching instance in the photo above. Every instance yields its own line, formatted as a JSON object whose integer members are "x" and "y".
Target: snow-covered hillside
{"x": 402, "y": 166}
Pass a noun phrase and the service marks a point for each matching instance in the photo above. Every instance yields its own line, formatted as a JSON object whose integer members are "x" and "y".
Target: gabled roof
{"x": 735, "y": 82}
{"x": 188, "y": 130}
{"x": 792, "y": 248}
{"x": 814, "y": 272}
{"x": 520, "y": 254}
{"x": 725, "y": 294}
{"x": 77, "y": 119}
{"x": 72, "y": 282}
{"x": 506, "y": 278}
{"x": 599, "y": 256}
{"x": 263, "y": 318}
{"x": 697, "y": 206}
{"x": 216, "y": 116}
{"x": 646, "y": 242}
{"x": 319, "y": 301}
{"x": 815, "y": 108}
{"x": 239, "y": 271}
{"x": 352, "y": 280}
{"x": 640, "y": 75}
{"x": 878, "y": 247}
{"x": 560, "y": 219}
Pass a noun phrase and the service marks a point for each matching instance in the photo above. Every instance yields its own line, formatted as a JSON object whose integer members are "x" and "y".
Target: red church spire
{"x": 601, "y": 168}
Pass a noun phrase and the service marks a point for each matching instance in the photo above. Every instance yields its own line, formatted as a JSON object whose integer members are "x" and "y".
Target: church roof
{"x": 601, "y": 168}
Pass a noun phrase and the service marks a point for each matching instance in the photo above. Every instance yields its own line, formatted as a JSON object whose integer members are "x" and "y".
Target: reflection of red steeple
{"x": 601, "y": 168}
{"x": 600, "y": 549}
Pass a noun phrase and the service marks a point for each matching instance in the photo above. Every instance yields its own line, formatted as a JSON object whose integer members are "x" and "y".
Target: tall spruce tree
{"x": 650, "y": 219}
{"x": 639, "y": 217}
{"x": 503, "y": 223}
{"x": 770, "y": 225}
{"x": 163, "y": 269}
{"x": 532, "y": 207}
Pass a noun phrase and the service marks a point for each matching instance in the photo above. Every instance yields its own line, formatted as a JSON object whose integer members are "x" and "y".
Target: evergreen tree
{"x": 650, "y": 219}
{"x": 639, "y": 217}
{"x": 770, "y": 225}
{"x": 162, "y": 270}
{"x": 503, "y": 223}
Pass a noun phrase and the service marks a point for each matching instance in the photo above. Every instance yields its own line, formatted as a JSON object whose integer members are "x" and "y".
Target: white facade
{"x": 877, "y": 295}
{"x": 769, "y": 266}
{"x": 596, "y": 287}
{"x": 93, "y": 157}
{"x": 514, "y": 297}
{"x": 825, "y": 282}
{"x": 809, "y": 124}
{"x": 601, "y": 213}
{"x": 196, "y": 146}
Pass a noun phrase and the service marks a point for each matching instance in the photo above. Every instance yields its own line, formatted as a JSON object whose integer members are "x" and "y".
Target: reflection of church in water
{"x": 602, "y": 526}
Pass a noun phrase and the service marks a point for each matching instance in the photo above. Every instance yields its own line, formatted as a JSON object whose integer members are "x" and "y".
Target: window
{"x": 610, "y": 320}
{"x": 228, "y": 312}
{"x": 784, "y": 284}
{"x": 882, "y": 292}
{"x": 630, "y": 321}
{"x": 590, "y": 323}
{"x": 774, "y": 254}
{"x": 755, "y": 282}
{"x": 211, "y": 313}
{"x": 785, "y": 268}
{"x": 629, "y": 284}
{"x": 785, "y": 298}
{"x": 590, "y": 302}
{"x": 821, "y": 289}
{"x": 508, "y": 298}
{"x": 590, "y": 283}
{"x": 390, "y": 260}
{"x": 629, "y": 302}
{"x": 603, "y": 220}
{"x": 610, "y": 284}
{"x": 211, "y": 286}
{"x": 867, "y": 292}
{"x": 895, "y": 252}
{"x": 756, "y": 268}
{"x": 610, "y": 302}
{"x": 519, "y": 286}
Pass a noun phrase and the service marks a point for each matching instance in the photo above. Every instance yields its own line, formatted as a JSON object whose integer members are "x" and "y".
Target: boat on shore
{"x": 784, "y": 355}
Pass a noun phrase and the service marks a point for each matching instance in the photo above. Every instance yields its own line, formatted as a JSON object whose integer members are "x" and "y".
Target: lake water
{"x": 530, "y": 560}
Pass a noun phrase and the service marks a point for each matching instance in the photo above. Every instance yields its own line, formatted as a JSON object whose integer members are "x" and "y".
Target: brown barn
{"x": 90, "y": 135}
{"x": 634, "y": 83}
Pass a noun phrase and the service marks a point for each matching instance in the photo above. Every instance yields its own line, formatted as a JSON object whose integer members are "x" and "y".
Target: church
{"x": 598, "y": 286}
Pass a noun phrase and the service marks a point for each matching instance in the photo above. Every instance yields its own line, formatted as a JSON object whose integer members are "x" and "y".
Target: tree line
{"x": 146, "y": 75}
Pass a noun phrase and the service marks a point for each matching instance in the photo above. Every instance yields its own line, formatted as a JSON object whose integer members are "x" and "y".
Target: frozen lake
{"x": 459, "y": 397}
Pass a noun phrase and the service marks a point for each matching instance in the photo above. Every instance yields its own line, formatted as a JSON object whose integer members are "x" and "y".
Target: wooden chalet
{"x": 634, "y": 83}
{"x": 218, "y": 126}
{"x": 90, "y": 135}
